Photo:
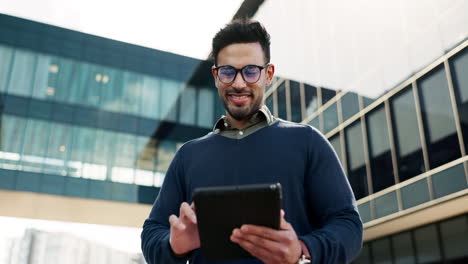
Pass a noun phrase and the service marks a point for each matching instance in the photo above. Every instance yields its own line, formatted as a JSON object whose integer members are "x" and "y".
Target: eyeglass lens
{"x": 250, "y": 73}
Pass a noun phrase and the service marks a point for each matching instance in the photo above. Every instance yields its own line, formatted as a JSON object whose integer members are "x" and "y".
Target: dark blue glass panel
{"x": 454, "y": 235}
{"x": 16, "y": 105}
{"x": 40, "y": 109}
{"x": 53, "y": 184}
{"x": 382, "y": 251}
{"x": 315, "y": 122}
{"x": 415, "y": 194}
{"x": 349, "y": 105}
{"x": 77, "y": 187}
{"x": 439, "y": 124}
{"x": 406, "y": 135}
{"x": 281, "y": 92}
{"x": 356, "y": 164}
{"x": 327, "y": 94}
{"x": 427, "y": 244}
{"x": 100, "y": 190}
{"x": 311, "y": 99}
{"x": 330, "y": 118}
{"x": 365, "y": 212}
{"x": 449, "y": 181}
{"x": 124, "y": 192}
{"x": 269, "y": 102}
{"x": 28, "y": 181}
{"x": 403, "y": 248}
{"x": 295, "y": 92}
{"x": 386, "y": 204}
{"x": 7, "y": 179}
{"x": 379, "y": 149}
{"x": 459, "y": 69}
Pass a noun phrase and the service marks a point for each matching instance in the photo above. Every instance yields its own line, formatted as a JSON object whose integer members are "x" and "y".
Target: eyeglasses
{"x": 250, "y": 73}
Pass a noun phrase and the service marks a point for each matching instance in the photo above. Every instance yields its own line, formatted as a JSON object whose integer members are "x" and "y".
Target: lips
{"x": 239, "y": 99}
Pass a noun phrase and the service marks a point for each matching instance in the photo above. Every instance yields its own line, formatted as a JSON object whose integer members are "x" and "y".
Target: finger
{"x": 258, "y": 241}
{"x": 262, "y": 231}
{"x": 284, "y": 225}
{"x": 258, "y": 251}
{"x": 187, "y": 212}
{"x": 176, "y": 223}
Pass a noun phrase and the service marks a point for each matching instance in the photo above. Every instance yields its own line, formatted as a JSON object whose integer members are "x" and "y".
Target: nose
{"x": 238, "y": 82}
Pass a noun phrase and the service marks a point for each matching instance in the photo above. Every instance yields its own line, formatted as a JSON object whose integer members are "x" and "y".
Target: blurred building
{"x": 39, "y": 247}
{"x": 91, "y": 124}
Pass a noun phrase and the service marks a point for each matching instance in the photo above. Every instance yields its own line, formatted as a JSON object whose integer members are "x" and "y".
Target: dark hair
{"x": 241, "y": 31}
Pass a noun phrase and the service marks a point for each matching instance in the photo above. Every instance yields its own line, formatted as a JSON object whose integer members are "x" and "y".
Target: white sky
{"x": 184, "y": 27}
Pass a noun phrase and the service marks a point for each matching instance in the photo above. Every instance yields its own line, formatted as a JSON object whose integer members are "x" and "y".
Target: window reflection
{"x": 349, "y": 105}
{"x": 459, "y": 69}
{"x": 406, "y": 135}
{"x": 379, "y": 149}
{"x": 439, "y": 124}
{"x": 6, "y": 55}
{"x": 311, "y": 99}
{"x": 330, "y": 118}
{"x": 295, "y": 92}
{"x": 355, "y": 160}
{"x": 281, "y": 92}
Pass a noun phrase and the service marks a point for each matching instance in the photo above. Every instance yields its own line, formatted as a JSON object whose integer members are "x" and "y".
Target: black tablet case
{"x": 221, "y": 209}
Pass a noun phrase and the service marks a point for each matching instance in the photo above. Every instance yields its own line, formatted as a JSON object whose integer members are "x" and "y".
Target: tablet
{"x": 221, "y": 209}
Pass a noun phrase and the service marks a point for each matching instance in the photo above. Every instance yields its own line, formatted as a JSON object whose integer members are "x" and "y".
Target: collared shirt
{"x": 258, "y": 121}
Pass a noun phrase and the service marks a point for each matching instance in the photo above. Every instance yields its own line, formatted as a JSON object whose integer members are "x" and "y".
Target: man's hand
{"x": 184, "y": 231}
{"x": 270, "y": 245}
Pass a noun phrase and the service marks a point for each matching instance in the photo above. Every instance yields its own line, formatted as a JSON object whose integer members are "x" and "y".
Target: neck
{"x": 239, "y": 124}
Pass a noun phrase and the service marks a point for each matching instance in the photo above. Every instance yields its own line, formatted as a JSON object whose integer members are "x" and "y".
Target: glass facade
{"x": 442, "y": 242}
{"x": 85, "y": 122}
{"x": 402, "y": 150}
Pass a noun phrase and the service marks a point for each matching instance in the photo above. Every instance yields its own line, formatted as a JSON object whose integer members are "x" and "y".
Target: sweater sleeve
{"x": 333, "y": 207}
{"x": 155, "y": 235}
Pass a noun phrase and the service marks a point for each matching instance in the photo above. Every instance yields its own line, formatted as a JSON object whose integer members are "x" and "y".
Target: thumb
{"x": 284, "y": 225}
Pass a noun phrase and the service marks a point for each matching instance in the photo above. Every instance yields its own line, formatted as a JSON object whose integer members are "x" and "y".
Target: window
{"x": 379, "y": 149}
{"x": 6, "y": 55}
{"x": 403, "y": 248}
{"x": 335, "y": 142}
{"x": 406, "y": 135}
{"x": 22, "y": 73}
{"x": 454, "y": 235}
{"x": 355, "y": 158}
{"x": 327, "y": 94}
{"x": 311, "y": 99}
{"x": 459, "y": 68}
{"x": 381, "y": 251}
{"x": 439, "y": 125}
{"x": 349, "y": 105}
{"x": 295, "y": 92}
{"x": 427, "y": 244}
{"x": 206, "y": 98}
{"x": 330, "y": 118}
{"x": 281, "y": 91}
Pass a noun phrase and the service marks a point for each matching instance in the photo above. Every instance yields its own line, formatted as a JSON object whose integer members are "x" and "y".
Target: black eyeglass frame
{"x": 240, "y": 70}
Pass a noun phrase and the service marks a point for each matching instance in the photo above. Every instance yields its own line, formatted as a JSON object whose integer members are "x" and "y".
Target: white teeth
{"x": 237, "y": 96}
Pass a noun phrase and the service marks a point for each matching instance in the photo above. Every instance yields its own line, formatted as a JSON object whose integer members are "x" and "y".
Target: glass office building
{"x": 90, "y": 117}
{"x": 403, "y": 152}
{"x": 83, "y": 116}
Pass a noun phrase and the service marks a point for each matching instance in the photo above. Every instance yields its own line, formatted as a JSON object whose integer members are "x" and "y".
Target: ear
{"x": 215, "y": 74}
{"x": 270, "y": 71}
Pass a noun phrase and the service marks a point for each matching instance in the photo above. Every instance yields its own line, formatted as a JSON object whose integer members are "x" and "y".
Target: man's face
{"x": 241, "y": 99}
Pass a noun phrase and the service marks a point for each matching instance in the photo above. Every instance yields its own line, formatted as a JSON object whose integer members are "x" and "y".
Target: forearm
{"x": 338, "y": 241}
{"x": 155, "y": 245}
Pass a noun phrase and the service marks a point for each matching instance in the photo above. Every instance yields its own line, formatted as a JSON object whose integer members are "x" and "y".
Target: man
{"x": 319, "y": 219}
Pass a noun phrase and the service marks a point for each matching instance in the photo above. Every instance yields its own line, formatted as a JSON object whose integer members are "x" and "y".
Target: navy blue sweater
{"x": 317, "y": 198}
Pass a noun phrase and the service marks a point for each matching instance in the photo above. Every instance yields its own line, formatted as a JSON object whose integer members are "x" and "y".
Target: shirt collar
{"x": 262, "y": 114}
